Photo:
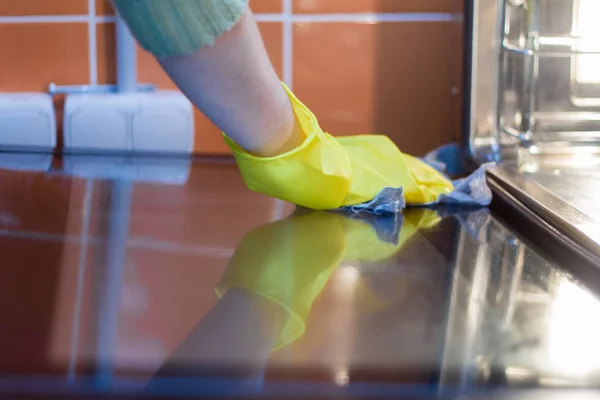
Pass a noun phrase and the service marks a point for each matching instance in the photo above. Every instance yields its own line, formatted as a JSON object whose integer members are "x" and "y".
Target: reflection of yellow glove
{"x": 290, "y": 261}
{"x": 361, "y": 248}
{"x": 326, "y": 173}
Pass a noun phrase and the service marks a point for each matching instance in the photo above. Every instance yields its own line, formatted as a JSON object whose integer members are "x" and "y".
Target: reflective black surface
{"x": 167, "y": 277}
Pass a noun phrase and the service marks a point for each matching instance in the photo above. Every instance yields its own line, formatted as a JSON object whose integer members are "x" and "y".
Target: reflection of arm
{"x": 234, "y": 338}
{"x": 269, "y": 287}
{"x": 266, "y": 294}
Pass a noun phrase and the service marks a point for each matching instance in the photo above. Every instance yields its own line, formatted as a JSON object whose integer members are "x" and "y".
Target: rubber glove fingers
{"x": 431, "y": 182}
{"x": 378, "y": 163}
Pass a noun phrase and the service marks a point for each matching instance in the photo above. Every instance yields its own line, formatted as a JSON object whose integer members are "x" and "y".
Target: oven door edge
{"x": 481, "y": 80}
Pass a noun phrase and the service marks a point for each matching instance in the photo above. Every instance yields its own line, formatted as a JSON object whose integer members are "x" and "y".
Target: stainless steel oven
{"x": 532, "y": 105}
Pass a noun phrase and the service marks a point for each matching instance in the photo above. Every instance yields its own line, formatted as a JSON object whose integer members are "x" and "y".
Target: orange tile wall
{"x": 363, "y": 66}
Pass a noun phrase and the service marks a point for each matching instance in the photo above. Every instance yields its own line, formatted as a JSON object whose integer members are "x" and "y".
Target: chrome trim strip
{"x": 557, "y": 217}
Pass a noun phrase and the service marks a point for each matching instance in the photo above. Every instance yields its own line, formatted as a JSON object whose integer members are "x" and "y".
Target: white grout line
{"x": 85, "y": 227}
{"x": 278, "y": 210}
{"x": 284, "y": 17}
{"x": 173, "y": 247}
{"x": 359, "y": 17}
{"x": 43, "y": 19}
{"x": 92, "y": 42}
{"x": 376, "y": 17}
{"x": 135, "y": 243}
{"x": 288, "y": 43}
{"x": 49, "y": 237}
{"x": 269, "y": 17}
{"x": 104, "y": 19}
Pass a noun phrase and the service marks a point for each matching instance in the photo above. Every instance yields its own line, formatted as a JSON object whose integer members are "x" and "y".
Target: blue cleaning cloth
{"x": 446, "y": 159}
{"x": 471, "y": 191}
{"x": 388, "y": 201}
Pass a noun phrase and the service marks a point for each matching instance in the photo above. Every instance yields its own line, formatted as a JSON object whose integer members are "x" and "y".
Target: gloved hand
{"x": 327, "y": 172}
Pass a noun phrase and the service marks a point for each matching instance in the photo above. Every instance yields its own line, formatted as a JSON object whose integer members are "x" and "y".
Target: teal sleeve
{"x": 179, "y": 27}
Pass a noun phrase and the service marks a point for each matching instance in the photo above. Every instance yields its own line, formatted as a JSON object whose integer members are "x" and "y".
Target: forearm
{"x": 235, "y": 85}
{"x": 230, "y": 79}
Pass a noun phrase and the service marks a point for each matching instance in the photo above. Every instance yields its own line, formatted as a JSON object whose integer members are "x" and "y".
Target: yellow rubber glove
{"x": 290, "y": 261}
{"x": 326, "y": 172}
{"x": 315, "y": 175}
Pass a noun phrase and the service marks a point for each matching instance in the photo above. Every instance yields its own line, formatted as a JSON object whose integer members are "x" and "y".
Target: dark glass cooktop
{"x": 131, "y": 277}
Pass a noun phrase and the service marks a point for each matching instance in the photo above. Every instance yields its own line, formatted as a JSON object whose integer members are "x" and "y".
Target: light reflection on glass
{"x": 341, "y": 377}
{"x": 574, "y": 331}
{"x": 588, "y": 30}
{"x": 346, "y": 281}
{"x": 348, "y": 277}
